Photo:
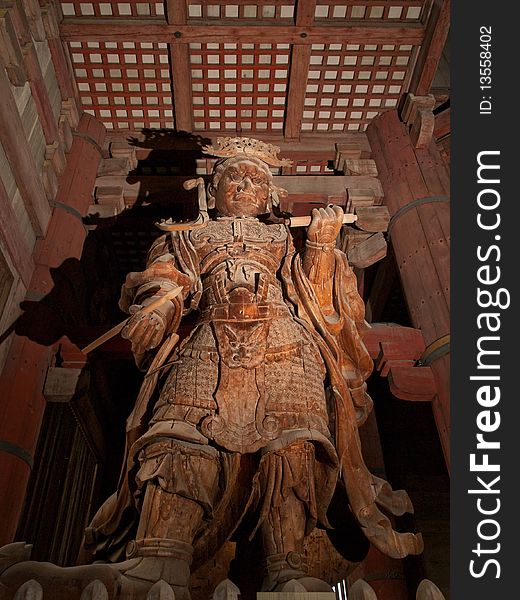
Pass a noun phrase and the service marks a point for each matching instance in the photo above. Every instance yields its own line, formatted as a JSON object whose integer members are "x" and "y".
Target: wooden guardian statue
{"x": 252, "y": 421}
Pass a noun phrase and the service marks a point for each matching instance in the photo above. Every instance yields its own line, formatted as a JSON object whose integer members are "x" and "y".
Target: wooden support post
{"x": 66, "y": 231}
{"x": 416, "y": 186}
{"x": 417, "y": 113}
{"x": 22, "y": 381}
{"x": 21, "y": 411}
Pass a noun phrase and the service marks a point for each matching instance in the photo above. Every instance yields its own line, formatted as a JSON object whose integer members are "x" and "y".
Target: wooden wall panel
{"x": 21, "y": 156}
{"x": 49, "y": 78}
{"x": 12, "y": 201}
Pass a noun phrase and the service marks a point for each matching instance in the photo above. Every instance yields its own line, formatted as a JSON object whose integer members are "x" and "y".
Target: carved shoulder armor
{"x": 226, "y": 231}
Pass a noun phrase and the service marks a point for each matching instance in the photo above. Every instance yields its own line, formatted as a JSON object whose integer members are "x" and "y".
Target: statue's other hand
{"x": 325, "y": 225}
{"x": 145, "y": 330}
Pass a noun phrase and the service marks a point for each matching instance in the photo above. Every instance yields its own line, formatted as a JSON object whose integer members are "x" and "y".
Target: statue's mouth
{"x": 240, "y": 197}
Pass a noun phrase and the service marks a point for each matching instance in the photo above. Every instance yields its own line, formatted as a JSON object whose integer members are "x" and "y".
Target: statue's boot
{"x": 284, "y": 480}
{"x": 281, "y": 568}
{"x": 156, "y": 560}
{"x": 163, "y": 547}
{"x": 284, "y": 569}
{"x": 284, "y": 527}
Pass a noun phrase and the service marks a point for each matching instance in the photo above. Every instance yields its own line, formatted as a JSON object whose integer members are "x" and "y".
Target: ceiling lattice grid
{"x": 243, "y": 81}
{"x": 349, "y": 84}
{"x": 126, "y": 85}
{"x": 126, "y": 10}
{"x": 336, "y": 10}
{"x": 239, "y": 87}
{"x": 406, "y": 10}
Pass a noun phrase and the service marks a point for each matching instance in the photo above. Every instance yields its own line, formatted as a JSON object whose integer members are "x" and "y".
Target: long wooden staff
{"x": 145, "y": 310}
{"x": 306, "y": 220}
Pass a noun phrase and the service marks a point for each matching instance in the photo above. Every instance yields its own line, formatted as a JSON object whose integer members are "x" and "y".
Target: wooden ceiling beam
{"x": 179, "y": 54}
{"x": 298, "y": 74}
{"x": 181, "y": 82}
{"x": 176, "y": 12}
{"x": 305, "y": 11}
{"x": 300, "y": 61}
{"x": 310, "y": 146}
{"x": 154, "y": 30}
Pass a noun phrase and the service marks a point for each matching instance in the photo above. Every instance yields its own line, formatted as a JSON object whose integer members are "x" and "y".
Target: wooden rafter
{"x": 154, "y": 30}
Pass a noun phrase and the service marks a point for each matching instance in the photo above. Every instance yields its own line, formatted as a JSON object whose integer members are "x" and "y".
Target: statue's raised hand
{"x": 325, "y": 225}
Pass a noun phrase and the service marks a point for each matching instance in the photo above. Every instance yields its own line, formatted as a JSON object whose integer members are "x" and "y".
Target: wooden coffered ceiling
{"x": 278, "y": 69}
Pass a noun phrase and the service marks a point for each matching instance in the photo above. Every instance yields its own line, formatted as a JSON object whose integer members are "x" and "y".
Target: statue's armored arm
{"x": 147, "y": 330}
{"x": 318, "y": 259}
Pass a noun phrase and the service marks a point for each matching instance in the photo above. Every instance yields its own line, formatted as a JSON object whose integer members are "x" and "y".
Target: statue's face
{"x": 243, "y": 190}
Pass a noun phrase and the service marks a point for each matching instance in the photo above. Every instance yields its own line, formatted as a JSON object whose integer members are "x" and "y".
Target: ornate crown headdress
{"x": 229, "y": 147}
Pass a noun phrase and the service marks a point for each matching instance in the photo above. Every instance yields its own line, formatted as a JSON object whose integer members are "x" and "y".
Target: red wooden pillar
{"x": 416, "y": 191}
{"x": 22, "y": 380}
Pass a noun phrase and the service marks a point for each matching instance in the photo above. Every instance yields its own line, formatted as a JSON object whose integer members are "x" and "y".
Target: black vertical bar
{"x": 484, "y": 328}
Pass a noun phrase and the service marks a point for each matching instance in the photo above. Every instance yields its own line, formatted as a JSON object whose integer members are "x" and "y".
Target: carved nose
{"x": 244, "y": 184}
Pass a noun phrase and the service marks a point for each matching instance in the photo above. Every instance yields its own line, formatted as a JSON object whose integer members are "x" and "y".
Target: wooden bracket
{"x": 396, "y": 351}
{"x": 417, "y": 113}
{"x": 10, "y": 50}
